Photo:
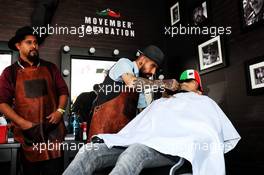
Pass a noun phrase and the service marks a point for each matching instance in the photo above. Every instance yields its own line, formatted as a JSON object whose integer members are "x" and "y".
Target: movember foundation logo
{"x": 110, "y": 26}
{"x": 109, "y": 12}
{"x": 108, "y": 23}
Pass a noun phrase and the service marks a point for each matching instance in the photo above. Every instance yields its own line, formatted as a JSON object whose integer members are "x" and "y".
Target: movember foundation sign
{"x": 106, "y": 26}
{"x": 92, "y": 26}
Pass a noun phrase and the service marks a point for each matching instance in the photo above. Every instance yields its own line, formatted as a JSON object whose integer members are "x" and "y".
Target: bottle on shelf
{"x": 76, "y": 126}
{"x": 84, "y": 131}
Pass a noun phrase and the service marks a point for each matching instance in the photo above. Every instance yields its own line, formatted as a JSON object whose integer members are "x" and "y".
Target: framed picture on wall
{"x": 175, "y": 13}
{"x": 199, "y": 14}
{"x": 252, "y": 13}
{"x": 254, "y": 69}
{"x": 211, "y": 55}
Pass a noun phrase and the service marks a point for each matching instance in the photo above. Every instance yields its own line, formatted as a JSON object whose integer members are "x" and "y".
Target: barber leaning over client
{"x": 186, "y": 126}
{"x": 113, "y": 110}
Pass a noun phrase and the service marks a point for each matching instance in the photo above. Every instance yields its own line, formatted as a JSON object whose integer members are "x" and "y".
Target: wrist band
{"x": 60, "y": 110}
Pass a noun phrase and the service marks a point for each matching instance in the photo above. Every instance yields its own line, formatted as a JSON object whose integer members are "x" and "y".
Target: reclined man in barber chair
{"x": 186, "y": 125}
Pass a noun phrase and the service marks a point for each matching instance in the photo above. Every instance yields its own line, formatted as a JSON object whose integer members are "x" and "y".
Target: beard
{"x": 143, "y": 74}
{"x": 33, "y": 55}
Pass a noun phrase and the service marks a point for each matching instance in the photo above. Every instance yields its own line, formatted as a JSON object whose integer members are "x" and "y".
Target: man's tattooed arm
{"x": 139, "y": 82}
{"x": 170, "y": 84}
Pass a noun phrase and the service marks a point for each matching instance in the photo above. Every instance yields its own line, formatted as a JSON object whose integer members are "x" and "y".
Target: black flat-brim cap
{"x": 20, "y": 35}
{"x": 154, "y": 53}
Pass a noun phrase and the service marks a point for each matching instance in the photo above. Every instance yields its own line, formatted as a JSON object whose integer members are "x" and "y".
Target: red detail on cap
{"x": 198, "y": 79}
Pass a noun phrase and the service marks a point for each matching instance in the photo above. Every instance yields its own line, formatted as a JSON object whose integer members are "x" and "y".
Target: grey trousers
{"x": 126, "y": 161}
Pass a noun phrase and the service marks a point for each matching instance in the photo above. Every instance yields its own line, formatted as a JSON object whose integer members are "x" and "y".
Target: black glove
{"x": 47, "y": 129}
{"x": 96, "y": 139}
{"x": 38, "y": 133}
{"x": 33, "y": 135}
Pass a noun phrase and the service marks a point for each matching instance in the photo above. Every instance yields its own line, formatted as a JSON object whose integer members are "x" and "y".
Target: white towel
{"x": 188, "y": 125}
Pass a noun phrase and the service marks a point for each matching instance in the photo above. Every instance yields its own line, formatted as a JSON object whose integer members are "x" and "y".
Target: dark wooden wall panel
{"x": 227, "y": 86}
{"x": 146, "y": 16}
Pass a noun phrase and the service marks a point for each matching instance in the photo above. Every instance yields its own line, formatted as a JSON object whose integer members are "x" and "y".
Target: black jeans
{"x": 47, "y": 167}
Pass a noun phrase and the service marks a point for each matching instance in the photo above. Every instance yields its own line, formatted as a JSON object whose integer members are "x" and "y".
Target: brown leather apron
{"x": 113, "y": 115}
{"x": 35, "y": 99}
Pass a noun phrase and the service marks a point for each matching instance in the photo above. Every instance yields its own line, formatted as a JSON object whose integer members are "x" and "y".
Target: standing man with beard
{"x": 120, "y": 94}
{"x": 33, "y": 96}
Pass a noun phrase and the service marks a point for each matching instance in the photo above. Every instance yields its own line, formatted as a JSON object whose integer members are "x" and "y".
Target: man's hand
{"x": 132, "y": 81}
{"x": 171, "y": 84}
{"x": 26, "y": 125}
{"x": 54, "y": 117}
{"x": 19, "y": 121}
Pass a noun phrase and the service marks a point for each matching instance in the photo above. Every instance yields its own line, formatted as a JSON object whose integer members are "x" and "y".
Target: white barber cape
{"x": 188, "y": 125}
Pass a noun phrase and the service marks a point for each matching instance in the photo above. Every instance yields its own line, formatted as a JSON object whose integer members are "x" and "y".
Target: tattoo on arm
{"x": 170, "y": 84}
{"x": 142, "y": 83}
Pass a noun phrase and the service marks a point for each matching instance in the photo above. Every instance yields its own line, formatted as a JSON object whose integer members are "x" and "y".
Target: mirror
{"x": 85, "y": 73}
{"x": 81, "y": 69}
